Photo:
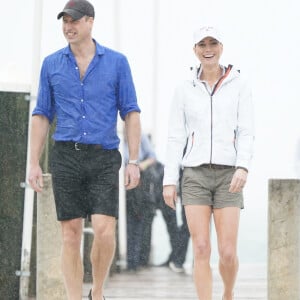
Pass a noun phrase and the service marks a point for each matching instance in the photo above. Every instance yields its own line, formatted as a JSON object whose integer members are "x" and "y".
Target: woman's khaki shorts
{"x": 205, "y": 186}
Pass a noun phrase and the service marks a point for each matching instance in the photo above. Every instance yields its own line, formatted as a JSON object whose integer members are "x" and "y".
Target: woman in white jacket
{"x": 212, "y": 116}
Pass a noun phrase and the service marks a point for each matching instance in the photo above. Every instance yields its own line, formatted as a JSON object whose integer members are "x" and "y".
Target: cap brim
{"x": 74, "y": 14}
{"x": 199, "y": 39}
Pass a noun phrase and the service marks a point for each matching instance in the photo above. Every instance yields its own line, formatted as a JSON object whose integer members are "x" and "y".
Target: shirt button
{"x": 83, "y": 117}
{"x": 81, "y": 84}
{"x": 81, "y": 100}
{"x": 84, "y": 133}
{"x": 76, "y": 68}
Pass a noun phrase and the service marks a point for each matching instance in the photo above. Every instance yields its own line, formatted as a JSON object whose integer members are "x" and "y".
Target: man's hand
{"x": 35, "y": 178}
{"x": 238, "y": 181}
{"x": 170, "y": 195}
{"x": 132, "y": 176}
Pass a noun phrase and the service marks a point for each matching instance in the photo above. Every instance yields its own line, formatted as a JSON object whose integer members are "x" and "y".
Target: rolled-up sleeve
{"x": 45, "y": 104}
{"x": 127, "y": 100}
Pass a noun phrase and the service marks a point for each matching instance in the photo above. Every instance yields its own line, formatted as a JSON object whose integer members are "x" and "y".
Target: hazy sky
{"x": 260, "y": 37}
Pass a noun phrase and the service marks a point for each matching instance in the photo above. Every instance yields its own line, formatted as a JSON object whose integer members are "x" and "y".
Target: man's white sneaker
{"x": 176, "y": 268}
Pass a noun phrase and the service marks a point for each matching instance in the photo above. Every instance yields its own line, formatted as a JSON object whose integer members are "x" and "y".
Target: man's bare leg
{"x": 227, "y": 223}
{"x": 72, "y": 268}
{"x": 102, "y": 253}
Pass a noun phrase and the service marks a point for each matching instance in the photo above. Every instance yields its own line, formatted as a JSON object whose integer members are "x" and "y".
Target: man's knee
{"x": 104, "y": 229}
{"x": 71, "y": 234}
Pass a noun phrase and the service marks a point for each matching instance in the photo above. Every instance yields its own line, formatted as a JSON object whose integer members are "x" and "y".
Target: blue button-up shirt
{"x": 86, "y": 109}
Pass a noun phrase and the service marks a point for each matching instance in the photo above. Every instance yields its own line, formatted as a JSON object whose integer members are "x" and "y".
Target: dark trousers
{"x": 140, "y": 213}
{"x": 178, "y": 235}
{"x": 138, "y": 240}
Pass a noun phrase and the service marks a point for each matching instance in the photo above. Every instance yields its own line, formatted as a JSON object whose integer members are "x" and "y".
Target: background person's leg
{"x": 183, "y": 241}
{"x": 146, "y": 235}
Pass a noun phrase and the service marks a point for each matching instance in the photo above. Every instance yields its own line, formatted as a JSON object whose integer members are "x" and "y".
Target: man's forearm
{"x": 38, "y": 135}
{"x": 133, "y": 133}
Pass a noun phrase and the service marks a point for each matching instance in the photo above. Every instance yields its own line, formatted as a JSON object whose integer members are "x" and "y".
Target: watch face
{"x": 133, "y": 162}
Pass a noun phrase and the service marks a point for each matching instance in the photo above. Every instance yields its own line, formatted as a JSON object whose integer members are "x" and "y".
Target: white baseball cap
{"x": 206, "y": 31}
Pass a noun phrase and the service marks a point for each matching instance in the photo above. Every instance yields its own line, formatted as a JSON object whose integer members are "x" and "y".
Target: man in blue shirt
{"x": 84, "y": 86}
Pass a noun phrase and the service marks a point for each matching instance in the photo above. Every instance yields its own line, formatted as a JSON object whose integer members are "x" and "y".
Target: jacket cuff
{"x": 243, "y": 168}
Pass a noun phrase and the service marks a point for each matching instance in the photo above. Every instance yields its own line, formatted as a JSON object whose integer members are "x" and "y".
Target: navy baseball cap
{"x": 77, "y": 9}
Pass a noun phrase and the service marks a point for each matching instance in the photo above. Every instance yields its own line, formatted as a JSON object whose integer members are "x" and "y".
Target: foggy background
{"x": 261, "y": 38}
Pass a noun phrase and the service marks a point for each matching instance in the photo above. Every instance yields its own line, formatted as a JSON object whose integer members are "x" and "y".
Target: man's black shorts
{"x": 85, "y": 181}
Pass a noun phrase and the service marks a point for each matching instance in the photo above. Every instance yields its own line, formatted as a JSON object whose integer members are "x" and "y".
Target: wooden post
{"x": 49, "y": 284}
{"x": 284, "y": 239}
{"x": 13, "y": 137}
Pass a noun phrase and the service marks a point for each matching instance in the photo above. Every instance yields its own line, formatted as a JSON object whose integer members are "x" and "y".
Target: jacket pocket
{"x": 188, "y": 151}
{"x": 234, "y": 140}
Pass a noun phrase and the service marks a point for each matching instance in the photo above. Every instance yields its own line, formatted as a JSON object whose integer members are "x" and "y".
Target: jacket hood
{"x": 229, "y": 73}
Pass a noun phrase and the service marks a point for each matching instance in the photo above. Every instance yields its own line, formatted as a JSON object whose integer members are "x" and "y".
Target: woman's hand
{"x": 238, "y": 181}
{"x": 170, "y": 195}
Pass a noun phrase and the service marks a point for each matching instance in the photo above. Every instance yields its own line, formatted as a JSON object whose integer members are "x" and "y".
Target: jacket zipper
{"x": 211, "y": 127}
{"x": 217, "y": 85}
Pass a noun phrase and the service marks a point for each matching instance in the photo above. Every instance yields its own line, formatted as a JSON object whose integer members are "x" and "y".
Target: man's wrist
{"x": 133, "y": 162}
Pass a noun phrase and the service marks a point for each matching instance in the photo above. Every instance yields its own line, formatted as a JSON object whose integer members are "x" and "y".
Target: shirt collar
{"x": 100, "y": 50}
{"x": 200, "y": 71}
